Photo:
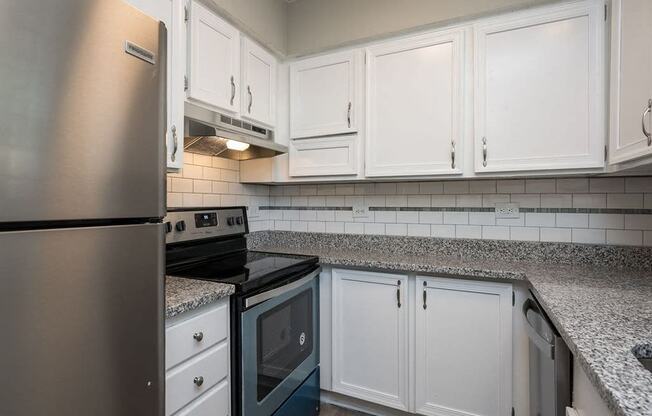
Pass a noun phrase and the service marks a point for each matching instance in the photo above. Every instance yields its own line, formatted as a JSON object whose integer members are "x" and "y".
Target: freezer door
{"x": 82, "y": 321}
{"x": 82, "y": 111}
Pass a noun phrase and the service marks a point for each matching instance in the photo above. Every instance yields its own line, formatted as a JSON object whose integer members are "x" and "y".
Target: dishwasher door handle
{"x": 541, "y": 343}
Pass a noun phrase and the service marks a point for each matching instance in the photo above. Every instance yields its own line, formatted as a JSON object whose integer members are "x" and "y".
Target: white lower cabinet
{"x": 463, "y": 363}
{"x": 197, "y": 380}
{"x": 443, "y": 347}
{"x": 370, "y": 337}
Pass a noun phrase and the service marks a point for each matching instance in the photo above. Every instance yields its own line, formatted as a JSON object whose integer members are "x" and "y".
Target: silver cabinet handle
{"x": 484, "y": 151}
{"x": 251, "y": 98}
{"x": 198, "y": 336}
{"x": 232, "y": 89}
{"x": 645, "y": 130}
{"x": 425, "y": 295}
{"x": 198, "y": 381}
{"x": 348, "y": 114}
{"x": 175, "y": 140}
{"x": 452, "y": 154}
{"x": 398, "y": 294}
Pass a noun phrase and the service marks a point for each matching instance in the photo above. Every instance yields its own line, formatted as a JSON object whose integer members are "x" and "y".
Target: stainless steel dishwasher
{"x": 550, "y": 363}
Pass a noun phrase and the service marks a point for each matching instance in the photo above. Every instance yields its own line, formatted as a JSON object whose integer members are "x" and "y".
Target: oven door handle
{"x": 262, "y": 297}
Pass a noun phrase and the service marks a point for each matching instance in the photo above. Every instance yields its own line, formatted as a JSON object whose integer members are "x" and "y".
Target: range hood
{"x": 211, "y": 133}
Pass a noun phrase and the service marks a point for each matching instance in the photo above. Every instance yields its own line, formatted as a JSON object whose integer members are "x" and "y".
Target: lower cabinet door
{"x": 216, "y": 402}
{"x": 463, "y": 363}
{"x": 370, "y": 336}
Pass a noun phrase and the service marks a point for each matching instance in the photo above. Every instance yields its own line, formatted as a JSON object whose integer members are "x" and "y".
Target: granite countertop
{"x": 183, "y": 295}
{"x": 602, "y": 313}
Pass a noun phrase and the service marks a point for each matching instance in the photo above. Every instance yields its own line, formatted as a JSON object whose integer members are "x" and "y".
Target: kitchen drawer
{"x": 333, "y": 155}
{"x": 195, "y": 335}
{"x": 216, "y": 402}
{"x": 180, "y": 386}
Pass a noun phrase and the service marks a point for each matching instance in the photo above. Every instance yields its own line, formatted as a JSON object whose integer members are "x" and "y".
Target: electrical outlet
{"x": 507, "y": 211}
{"x": 360, "y": 210}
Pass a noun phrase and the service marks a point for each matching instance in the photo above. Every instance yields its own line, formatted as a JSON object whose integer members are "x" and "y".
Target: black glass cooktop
{"x": 247, "y": 270}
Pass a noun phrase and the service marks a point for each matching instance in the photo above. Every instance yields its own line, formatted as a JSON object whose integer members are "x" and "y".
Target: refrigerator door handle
{"x": 541, "y": 343}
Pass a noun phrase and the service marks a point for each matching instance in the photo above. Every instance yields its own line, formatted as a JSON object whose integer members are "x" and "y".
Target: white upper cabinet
{"x": 370, "y": 336}
{"x": 214, "y": 57}
{"x": 540, "y": 89}
{"x": 325, "y": 95}
{"x": 631, "y": 85}
{"x": 171, "y": 13}
{"x": 414, "y": 105}
{"x": 258, "y": 83}
{"x": 463, "y": 362}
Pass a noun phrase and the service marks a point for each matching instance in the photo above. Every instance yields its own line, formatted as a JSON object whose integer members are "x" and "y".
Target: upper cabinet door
{"x": 325, "y": 95}
{"x": 540, "y": 89}
{"x": 258, "y": 83}
{"x": 415, "y": 105}
{"x": 631, "y": 85}
{"x": 214, "y": 60}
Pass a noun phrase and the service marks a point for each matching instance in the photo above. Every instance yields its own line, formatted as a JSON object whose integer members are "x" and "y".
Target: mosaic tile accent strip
{"x": 470, "y": 209}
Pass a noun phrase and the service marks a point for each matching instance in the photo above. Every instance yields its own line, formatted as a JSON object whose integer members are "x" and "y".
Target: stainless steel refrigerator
{"x": 82, "y": 188}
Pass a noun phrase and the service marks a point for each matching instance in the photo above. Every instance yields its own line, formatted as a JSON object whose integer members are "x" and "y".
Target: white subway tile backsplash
{"x": 556, "y": 201}
{"x": 193, "y": 200}
{"x": 490, "y": 201}
{"x": 283, "y": 225}
{"x": 386, "y": 216}
{"x": 556, "y": 234}
{"x": 291, "y": 215}
{"x": 316, "y": 201}
{"x": 482, "y": 218}
{"x": 589, "y": 200}
{"x": 308, "y": 190}
{"x": 625, "y": 201}
{"x": 515, "y": 222}
{"x": 335, "y": 227}
{"x": 540, "y": 186}
{"x": 308, "y": 215}
{"x": 468, "y": 231}
{"x": 346, "y": 216}
{"x": 198, "y": 172}
{"x": 375, "y": 201}
{"x": 418, "y": 200}
{"x": 353, "y": 228}
{"x": 456, "y": 187}
{"x": 299, "y": 201}
{"x": 524, "y": 233}
{"x": 374, "y": 228}
{"x": 606, "y": 185}
{"x": 572, "y": 186}
{"x": 511, "y": 186}
{"x": 534, "y": 219}
{"x": 228, "y": 175}
{"x": 456, "y": 218}
{"x": 431, "y": 217}
{"x": 482, "y": 187}
{"x": 386, "y": 189}
{"x": 638, "y": 222}
{"x": 292, "y": 190}
{"x": 495, "y": 233}
{"x": 637, "y": 185}
{"x": 174, "y": 200}
{"x": 429, "y": 188}
{"x": 418, "y": 230}
{"x": 344, "y": 189}
{"x": 443, "y": 201}
{"x": 407, "y": 217}
{"x": 588, "y": 236}
{"x": 573, "y": 220}
{"x": 625, "y": 237}
{"x": 212, "y": 200}
{"x": 364, "y": 188}
{"x": 616, "y": 221}
{"x": 469, "y": 201}
{"x": 325, "y": 215}
{"x": 334, "y": 201}
{"x": 396, "y": 200}
{"x": 526, "y": 200}
{"x": 323, "y": 189}
{"x": 407, "y": 188}
{"x": 647, "y": 238}
{"x": 300, "y": 226}
{"x": 182, "y": 185}
{"x": 442, "y": 231}
{"x": 396, "y": 229}
{"x": 648, "y": 201}
{"x": 202, "y": 160}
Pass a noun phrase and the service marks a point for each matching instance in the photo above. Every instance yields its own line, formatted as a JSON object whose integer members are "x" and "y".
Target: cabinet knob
{"x": 198, "y": 336}
{"x": 198, "y": 381}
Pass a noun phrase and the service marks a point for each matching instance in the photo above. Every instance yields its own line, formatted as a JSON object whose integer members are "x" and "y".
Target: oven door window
{"x": 285, "y": 340}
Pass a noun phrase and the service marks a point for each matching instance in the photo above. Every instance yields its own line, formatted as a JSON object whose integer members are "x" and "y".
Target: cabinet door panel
{"x": 414, "y": 105}
{"x": 333, "y": 155}
{"x": 259, "y": 83}
{"x": 631, "y": 79}
{"x": 541, "y": 107}
{"x": 214, "y": 60}
{"x": 323, "y": 96}
{"x": 370, "y": 337}
{"x": 463, "y": 351}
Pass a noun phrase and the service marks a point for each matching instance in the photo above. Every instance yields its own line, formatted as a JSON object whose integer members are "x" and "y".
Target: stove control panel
{"x": 198, "y": 223}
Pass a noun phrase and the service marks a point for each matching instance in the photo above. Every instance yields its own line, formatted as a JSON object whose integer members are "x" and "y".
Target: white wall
{"x": 264, "y": 20}
{"x": 316, "y": 25}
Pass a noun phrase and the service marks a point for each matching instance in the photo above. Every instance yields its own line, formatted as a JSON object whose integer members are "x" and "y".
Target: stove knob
{"x": 180, "y": 226}
{"x": 239, "y": 220}
{"x": 230, "y": 221}
{"x": 168, "y": 227}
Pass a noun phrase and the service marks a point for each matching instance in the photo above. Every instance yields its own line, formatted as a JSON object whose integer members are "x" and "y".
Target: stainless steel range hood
{"x": 209, "y": 133}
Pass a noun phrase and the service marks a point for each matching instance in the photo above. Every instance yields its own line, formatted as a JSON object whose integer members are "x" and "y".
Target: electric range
{"x": 274, "y": 311}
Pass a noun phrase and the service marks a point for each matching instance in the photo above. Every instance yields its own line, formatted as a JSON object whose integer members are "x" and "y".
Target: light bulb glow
{"x": 235, "y": 145}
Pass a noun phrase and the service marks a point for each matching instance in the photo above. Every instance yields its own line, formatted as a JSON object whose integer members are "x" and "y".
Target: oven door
{"x": 280, "y": 344}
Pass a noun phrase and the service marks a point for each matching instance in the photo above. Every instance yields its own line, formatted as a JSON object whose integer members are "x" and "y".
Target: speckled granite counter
{"x": 183, "y": 295}
{"x": 601, "y": 312}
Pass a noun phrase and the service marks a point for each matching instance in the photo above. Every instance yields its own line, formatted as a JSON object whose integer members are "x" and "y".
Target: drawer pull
{"x": 198, "y": 336}
{"x": 198, "y": 381}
